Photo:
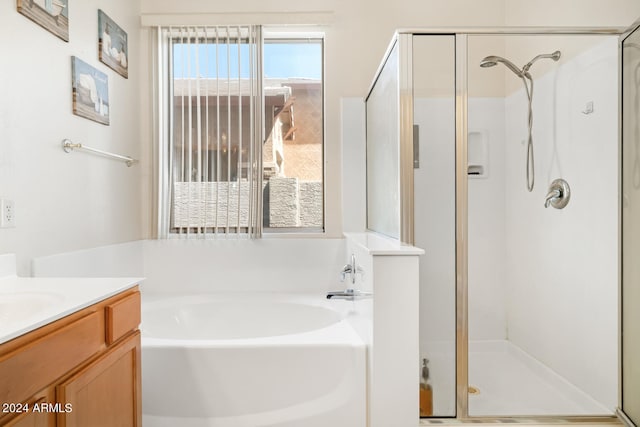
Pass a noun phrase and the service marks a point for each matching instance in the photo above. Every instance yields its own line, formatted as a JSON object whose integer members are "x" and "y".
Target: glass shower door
{"x": 542, "y": 280}
{"x": 631, "y": 226}
{"x": 434, "y": 118}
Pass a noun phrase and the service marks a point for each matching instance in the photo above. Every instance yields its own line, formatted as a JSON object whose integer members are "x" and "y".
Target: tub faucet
{"x": 348, "y": 294}
{"x": 352, "y": 270}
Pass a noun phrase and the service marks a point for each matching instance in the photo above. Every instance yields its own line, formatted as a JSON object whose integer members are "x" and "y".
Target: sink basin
{"x": 16, "y": 307}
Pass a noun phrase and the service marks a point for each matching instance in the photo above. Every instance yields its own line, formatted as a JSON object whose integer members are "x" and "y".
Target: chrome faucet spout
{"x": 348, "y": 294}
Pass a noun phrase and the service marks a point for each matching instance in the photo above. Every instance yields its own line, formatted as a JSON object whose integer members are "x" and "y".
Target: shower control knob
{"x": 558, "y": 195}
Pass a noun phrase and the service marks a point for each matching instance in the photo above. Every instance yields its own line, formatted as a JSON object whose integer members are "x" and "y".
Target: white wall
{"x": 354, "y": 162}
{"x": 612, "y": 13}
{"x": 119, "y": 260}
{"x": 266, "y": 265}
{"x": 562, "y": 265}
{"x": 205, "y": 266}
{"x": 65, "y": 201}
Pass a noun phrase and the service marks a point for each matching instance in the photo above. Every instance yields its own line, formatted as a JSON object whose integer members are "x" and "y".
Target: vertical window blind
{"x": 212, "y": 130}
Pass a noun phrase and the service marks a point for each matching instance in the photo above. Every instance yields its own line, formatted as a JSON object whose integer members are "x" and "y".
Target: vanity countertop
{"x": 27, "y": 303}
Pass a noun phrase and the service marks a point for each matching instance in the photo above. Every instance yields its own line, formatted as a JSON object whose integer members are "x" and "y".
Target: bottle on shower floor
{"x": 426, "y": 391}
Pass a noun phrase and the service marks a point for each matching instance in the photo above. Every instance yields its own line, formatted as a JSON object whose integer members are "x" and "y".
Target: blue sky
{"x": 281, "y": 60}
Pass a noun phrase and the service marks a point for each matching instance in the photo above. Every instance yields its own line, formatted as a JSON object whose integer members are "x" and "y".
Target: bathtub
{"x": 277, "y": 360}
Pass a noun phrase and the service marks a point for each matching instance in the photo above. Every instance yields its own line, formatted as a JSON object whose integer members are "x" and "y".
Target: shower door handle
{"x": 416, "y": 146}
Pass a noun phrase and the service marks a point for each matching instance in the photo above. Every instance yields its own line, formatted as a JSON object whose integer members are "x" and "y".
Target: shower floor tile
{"x": 512, "y": 383}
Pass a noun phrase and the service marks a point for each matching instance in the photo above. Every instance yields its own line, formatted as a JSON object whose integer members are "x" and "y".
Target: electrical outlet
{"x": 7, "y": 213}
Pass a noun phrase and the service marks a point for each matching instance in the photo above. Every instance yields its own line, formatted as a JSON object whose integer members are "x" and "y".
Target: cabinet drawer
{"x": 123, "y": 316}
{"x": 40, "y": 362}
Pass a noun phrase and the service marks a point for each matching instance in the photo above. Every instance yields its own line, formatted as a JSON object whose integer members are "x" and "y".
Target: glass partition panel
{"x": 631, "y": 227}
{"x": 383, "y": 151}
{"x": 434, "y": 134}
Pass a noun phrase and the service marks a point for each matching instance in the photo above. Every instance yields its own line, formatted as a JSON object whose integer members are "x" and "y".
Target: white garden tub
{"x": 243, "y": 360}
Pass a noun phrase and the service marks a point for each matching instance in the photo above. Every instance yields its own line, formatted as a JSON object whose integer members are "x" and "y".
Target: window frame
{"x": 163, "y": 94}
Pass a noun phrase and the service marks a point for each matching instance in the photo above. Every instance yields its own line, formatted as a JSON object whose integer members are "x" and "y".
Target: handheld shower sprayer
{"x": 527, "y": 80}
{"x": 492, "y": 61}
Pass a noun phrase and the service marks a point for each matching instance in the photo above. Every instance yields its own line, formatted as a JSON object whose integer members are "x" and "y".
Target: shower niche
{"x": 507, "y": 330}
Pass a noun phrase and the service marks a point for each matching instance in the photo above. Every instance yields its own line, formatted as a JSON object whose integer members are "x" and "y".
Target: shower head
{"x": 527, "y": 80}
{"x": 489, "y": 61}
{"x": 555, "y": 56}
{"x": 492, "y": 61}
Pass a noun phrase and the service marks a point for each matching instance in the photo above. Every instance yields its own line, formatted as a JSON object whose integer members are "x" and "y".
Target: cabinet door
{"x": 107, "y": 392}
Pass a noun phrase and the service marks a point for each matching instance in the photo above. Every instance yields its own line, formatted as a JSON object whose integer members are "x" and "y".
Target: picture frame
{"x": 113, "y": 49}
{"x": 90, "y": 91}
{"x": 52, "y": 15}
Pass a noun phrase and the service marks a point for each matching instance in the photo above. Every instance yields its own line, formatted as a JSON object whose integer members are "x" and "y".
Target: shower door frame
{"x": 635, "y": 27}
{"x": 404, "y": 38}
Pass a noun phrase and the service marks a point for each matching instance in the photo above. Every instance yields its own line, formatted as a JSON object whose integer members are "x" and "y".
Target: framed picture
{"x": 112, "y": 45}
{"x": 52, "y": 15}
{"x": 90, "y": 90}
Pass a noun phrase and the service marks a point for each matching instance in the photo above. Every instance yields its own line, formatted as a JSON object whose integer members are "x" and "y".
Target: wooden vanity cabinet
{"x": 82, "y": 370}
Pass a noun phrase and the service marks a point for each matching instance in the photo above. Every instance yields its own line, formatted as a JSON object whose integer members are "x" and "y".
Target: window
{"x": 242, "y": 146}
{"x": 292, "y": 154}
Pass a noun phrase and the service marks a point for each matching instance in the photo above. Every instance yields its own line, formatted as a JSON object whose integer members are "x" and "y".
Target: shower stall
{"x": 523, "y": 284}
